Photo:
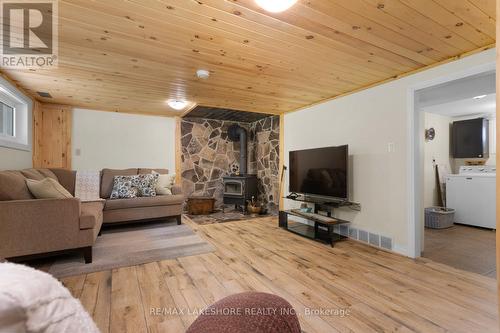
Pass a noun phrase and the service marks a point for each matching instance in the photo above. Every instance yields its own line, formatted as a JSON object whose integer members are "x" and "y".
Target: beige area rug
{"x": 134, "y": 245}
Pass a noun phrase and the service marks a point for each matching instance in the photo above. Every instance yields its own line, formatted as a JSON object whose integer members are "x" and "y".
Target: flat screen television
{"x": 320, "y": 172}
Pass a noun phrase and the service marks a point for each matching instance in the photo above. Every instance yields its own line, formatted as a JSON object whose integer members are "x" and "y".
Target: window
{"x": 15, "y": 117}
{"x": 6, "y": 119}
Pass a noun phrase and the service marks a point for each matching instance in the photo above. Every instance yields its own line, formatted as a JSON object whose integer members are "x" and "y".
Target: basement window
{"x": 15, "y": 117}
{"x": 7, "y": 126}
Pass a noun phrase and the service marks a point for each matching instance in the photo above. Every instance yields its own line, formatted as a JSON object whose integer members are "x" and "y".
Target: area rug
{"x": 134, "y": 245}
{"x": 226, "y": 216}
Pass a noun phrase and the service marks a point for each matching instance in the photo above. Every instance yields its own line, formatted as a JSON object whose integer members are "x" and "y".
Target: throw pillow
{"x": 47, "y": 188}
{"x": 165, "y": 183}
{"x": 146, "y": 184}
{"x": 123, "y": 188}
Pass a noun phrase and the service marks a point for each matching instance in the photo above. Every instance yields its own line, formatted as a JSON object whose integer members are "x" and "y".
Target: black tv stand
{"x": 323, "y": 229}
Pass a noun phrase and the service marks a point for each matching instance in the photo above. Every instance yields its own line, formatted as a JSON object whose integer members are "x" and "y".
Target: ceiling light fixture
{"x": 275, "y": 6}
{"x": 479, "y": 97}
{"x": 176, "y": 104}
{"x": 202, "y": 74}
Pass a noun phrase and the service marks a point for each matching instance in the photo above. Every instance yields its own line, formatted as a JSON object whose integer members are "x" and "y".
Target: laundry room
{"x": 459, "y": 172}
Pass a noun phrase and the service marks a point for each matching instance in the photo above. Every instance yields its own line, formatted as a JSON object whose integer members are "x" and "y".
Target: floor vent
{"x": 364, "y": 236}
{"x": 374, "y": 239}
{"x": 344, "y": 230}
{"x": 386, "y": 243}
{"x": 353, "y": 233}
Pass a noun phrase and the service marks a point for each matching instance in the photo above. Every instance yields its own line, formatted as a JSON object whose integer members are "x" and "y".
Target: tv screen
{"x": 321, "y": 171}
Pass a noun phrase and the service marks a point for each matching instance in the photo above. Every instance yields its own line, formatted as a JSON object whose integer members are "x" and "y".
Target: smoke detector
{"x": 202, "y": 74}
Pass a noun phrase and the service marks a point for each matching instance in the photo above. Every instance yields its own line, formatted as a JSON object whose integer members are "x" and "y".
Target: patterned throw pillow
{"x": 123, "y": 188}
{"x": 146, "y": 184}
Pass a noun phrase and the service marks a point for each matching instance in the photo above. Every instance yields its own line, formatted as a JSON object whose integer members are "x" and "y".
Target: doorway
{"x": 454, "y": 218}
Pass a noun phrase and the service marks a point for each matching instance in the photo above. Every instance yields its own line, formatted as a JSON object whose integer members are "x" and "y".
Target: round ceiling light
{"x": 176, "y": 104}
{"x": 202, "y": 74}
{"x": 275, "y": 6}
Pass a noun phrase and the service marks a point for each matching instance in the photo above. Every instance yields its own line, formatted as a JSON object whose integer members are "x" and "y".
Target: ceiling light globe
{"x": 202, "y": 74}
{"x": 176, "y": 104}
{"x": 275, "y": 6}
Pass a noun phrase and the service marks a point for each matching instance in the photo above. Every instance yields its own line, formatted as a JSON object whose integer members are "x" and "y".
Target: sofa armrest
{"x": 176, "y": 189}
{"x": 87, "y": 222}
{"x": 35, "y": 226}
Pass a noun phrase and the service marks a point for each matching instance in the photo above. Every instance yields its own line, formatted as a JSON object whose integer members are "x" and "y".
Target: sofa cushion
{"x": 159, "y": 200}
{"x": 47, "y": 188}
{"x": 91, "y": 214}
{"x": 13, "y": 186}
{"x": 48, "y": 174}
{"x": 66, "y": 178}
{"x": 107, "y": 179}
{"x": 32, "y": 174}
{"x": 144, "y": 171}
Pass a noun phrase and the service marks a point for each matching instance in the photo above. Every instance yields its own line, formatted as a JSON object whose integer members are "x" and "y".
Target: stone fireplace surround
{"x": 208, "y": 155}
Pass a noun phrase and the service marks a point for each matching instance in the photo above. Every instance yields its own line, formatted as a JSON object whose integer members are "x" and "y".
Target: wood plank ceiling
{"x": 131, "y": 56}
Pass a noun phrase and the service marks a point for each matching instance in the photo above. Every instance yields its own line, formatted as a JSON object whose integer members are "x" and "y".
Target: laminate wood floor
{"x": 376, "y": 291}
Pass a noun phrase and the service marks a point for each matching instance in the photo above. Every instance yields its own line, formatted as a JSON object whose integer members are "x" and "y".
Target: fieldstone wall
{"x": 264, "y": 159}
{"x": 208, "y": 155}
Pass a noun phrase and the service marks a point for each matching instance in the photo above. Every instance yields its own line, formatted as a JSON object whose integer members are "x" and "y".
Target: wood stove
{"x": 239, "y": 189}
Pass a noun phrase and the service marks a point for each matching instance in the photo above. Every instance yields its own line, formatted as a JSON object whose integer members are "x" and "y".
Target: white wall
{"x": 117, "y": 140}
{"x": 14, "y": 159}
{"x": 368, "y": 121}
{"x": 436, "y": 151}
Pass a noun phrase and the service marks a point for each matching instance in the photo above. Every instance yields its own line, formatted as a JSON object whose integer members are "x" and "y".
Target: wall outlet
{"x": 78, "y": 152}
{"x": 391, "y": 147}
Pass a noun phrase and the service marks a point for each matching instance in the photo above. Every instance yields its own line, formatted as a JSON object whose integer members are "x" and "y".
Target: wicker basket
{"x": 439, "y": 217}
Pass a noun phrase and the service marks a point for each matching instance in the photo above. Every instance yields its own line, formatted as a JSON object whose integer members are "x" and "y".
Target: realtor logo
{"x": 29, "y": 34}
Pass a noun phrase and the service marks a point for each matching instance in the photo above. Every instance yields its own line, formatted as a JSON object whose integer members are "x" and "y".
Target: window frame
{"x": 4, "y": 132}
{"x": 22, "y": 106}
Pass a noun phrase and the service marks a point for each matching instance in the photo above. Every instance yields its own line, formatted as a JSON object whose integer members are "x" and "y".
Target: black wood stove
{"x": 239, "y": 189}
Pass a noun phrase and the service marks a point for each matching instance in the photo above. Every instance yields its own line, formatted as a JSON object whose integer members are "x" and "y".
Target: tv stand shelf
{"x": 321, "y": 231}
{"x": 325, "y": 202}
{"x": 315, "y": 217}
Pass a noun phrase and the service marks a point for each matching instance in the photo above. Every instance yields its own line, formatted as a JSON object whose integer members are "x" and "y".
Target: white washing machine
{"x": 472, "y": 193}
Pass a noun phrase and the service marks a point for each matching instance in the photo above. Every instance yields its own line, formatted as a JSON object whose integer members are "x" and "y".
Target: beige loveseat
{"x": 136, "y": 209}
{"x": 30, "y": 227}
